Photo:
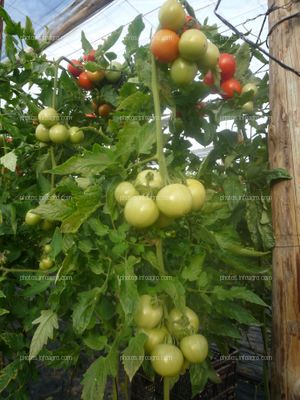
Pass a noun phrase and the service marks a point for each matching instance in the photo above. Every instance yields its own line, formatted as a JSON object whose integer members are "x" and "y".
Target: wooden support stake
{"x": 284, "y": 152}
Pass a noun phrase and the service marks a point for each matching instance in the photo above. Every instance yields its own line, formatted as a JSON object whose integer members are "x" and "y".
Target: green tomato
{"x": 198, "y": 193}
{"x": 155, "y": 336}
{"x": 176, "y": 125}
{"x": 76, "y": 135}
{"x": 124, "y": 191}
{"x": 167, "y": 360}
{"x": 180, "y": 324}
{"x": 192, "y": 45}
{"x": 31, "y": 218}
{"x": 48, "y": 117}
{"x": 194, "y": 348}
{"x": 148, "y": 180}
{"x": 209, "y": 60}
{"x": 183, "y": 72}
{"x": 250, "y": 87}
{"x": 171, "y": 15}
{"x": 114, "y": 72}
{"x": 248, "y": 107}
{"x": 46, "y": 263}
{"x": 148, "y": 313}
{"x": 174, "y": 200}
{"x": 42, "y": 133}
{"x": 141, "y": 211}
{"x": 59, "y": 134}
{"x": 47, "y": 248}
{"x": 47, "y": 225}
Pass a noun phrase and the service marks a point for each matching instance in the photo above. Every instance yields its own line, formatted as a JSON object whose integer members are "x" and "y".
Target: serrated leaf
{"x": 175, "y": 290}
{"x": 133, "y": 355}
{"x": 194, "y": 269}
{"x": 236, "y": 312}
{"x": 84, "y": 309}
{"x": 9, "y": 161}
{"x": 199, "y": 377}
{"x": 14, "y": 341}
{"x": 8, "y": 374}
{"x": 86, "y": 45}
{"x": 90, "y": 163}
{"x": 128, "y": 289}
{"x": 131, "y": 40}
{"x": 47, "y": 323}
{"x": 95, "y": 378}
{"x": 94, "y": 341}
{"x": 111, "y": 40}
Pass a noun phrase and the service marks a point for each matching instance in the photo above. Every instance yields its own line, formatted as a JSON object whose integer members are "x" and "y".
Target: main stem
{"x": 160, "y": 257}
{"x": 158, "y": 127}
{"x": 53, "y": 164}
{"x": 166, "y": 388}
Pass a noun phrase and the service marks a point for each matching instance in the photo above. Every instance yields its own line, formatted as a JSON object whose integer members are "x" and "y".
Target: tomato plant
{"x": 119, "y": 224}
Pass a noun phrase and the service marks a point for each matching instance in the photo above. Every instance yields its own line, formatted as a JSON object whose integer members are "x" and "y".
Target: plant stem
{"x": 159, "y": 256}
{"x": 21, "y": 270}
{"x": 166, "y": 388}
{"x": 53, "y": 163}
{"x": 55, "y": 84}
{"x": 159, "y": 135}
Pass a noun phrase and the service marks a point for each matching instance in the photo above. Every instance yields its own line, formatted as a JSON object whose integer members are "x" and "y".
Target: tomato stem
{"x": 158, "y": 127}
{"x": 159, "y": 256}
{"x": 53, "y": 163}
{"x": 166, "y": 388}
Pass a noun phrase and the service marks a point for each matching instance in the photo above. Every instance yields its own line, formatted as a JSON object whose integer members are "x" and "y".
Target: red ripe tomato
{"x": 230, "y": 87}
{"x": 9, "y": 139}
{"x": 227, "y": 66}
{"x": 164, "y": 45}
{"x": 190, "y": 23}
{"x": 209, "y": 79}
{"x": 90, "y": 115}
{"x": 84, "y": 82}
{"x": 90, "y": 56}
{"x": 75, "y": 71}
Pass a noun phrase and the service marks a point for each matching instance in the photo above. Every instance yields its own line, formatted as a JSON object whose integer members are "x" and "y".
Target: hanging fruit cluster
{"x": 90, "y": 79}
{"x": 147, "y": 201}
{"x": 163, "y": 330}
{"x": 180, "y": 43}
{"x": 50, "y": 130}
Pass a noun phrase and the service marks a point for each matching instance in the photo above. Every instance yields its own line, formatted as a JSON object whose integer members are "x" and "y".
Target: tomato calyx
{"x": 190, "y": 23}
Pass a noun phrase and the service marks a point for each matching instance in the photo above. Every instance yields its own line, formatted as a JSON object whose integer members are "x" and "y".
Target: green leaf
{"x": 233, "y": 190}
{"x": 111, "y": 40}
{"x": 90, "y": 163}
{"x": 95, "y": 342}
{"x": 224, "y": 327}
{"x": 56, "y": 243}
{"x": 236, "y": 312}
{"x": 95, "y": 378}
{"x": 238, "y": 292}
{"x": 175, "y": 290}
{"x": 47, "y": 323}
{"x": 277, "y": 174}
{"x": 242, "y": 60}
{"x": 3, "y": 311}
{"x": 131, "y": 40}
{"x": 10, "y": 48}
{"x": 199, "y": 377}
{"x": 128, "y": 289}
{"x": 29, "y": 35}
{"x": 226, "y": 243}
{"x": 14, "y": 341}
{"x": 133, "y": 355}
{"x": 9, "y": 373}
{"x": 9, "y": 161}
{"x": 36, "y": 287}
{"x": 84, "y": 309}
{"x": 193, "y": 271}
{"x": 86, "y": 45}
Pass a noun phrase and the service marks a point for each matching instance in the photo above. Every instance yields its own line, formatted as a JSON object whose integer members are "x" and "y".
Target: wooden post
{"x": 284, "y": 152}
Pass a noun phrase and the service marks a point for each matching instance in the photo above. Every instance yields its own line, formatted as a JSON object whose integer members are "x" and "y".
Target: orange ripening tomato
{"x": 84, "y": 82}
{"x": 164, "y": 45}
{"x": 230, "y": 87}
{"x": 104, "y": 110}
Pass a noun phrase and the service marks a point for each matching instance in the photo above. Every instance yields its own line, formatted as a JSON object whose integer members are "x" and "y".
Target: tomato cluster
{"x": 50, "y": 130}
{"x": 163, "y": 330}
{"x": 147, "y": 201}
{"x": 86, "y": 79}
